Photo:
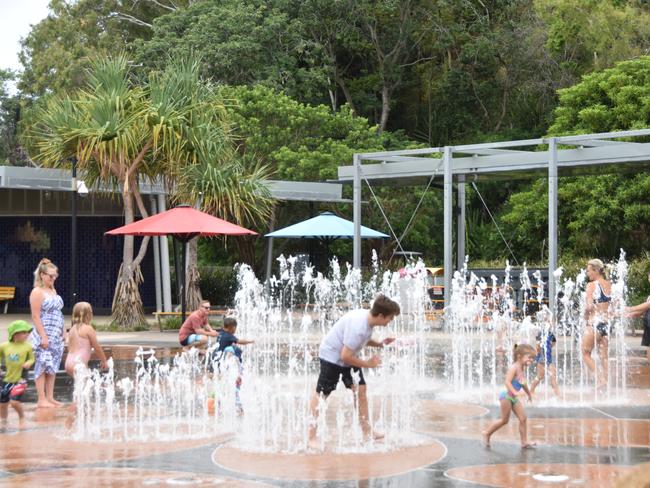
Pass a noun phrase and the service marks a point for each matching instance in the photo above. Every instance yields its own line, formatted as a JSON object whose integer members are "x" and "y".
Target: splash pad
{"x": 428, "y": 385}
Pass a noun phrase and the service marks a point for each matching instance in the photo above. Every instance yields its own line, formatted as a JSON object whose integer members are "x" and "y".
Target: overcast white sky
{"x": 16, "y": 19}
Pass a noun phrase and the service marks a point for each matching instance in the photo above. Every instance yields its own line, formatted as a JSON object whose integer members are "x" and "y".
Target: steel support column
{"x": 164, "y": 263}
{"x": 269, "y": 248}
{"x": 460, "y": 222}
{"x": 356, "y": 261}
{"x": 552, "y": 219}
{"x": 448, "y": 221}
{"x": 156, "y": 260}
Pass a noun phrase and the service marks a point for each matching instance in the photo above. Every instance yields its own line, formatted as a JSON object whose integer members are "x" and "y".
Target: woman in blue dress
{"x": 47, "y": 337}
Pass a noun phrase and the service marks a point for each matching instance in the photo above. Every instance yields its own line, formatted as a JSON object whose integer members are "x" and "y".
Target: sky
{"x": 16, "y": 19}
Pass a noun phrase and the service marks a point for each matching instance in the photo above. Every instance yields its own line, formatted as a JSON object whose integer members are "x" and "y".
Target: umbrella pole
{"x": 183, "y": 281}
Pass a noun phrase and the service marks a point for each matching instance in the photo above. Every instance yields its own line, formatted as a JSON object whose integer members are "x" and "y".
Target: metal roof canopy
{"x": 586, "y": 153}
{"x": 54, "y": 179}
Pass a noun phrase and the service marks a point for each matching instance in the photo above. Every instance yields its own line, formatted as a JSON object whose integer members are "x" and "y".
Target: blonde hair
{"x": 82, "y": 313}
{"x": 43, "y": 266}
{"x": 521, "y": 350}
{"x": 597, "y": 265}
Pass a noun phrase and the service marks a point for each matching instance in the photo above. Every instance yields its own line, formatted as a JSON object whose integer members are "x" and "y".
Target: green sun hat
{"x": 18, "y": 326}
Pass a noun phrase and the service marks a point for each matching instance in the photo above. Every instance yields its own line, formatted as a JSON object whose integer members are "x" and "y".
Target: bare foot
{"x": 529, "y": 445}
{"x": 313, "y": 444}
{"x": 54, "y": 402}
{"x": 486, "y": 439}
{"x": 45, "y": 404}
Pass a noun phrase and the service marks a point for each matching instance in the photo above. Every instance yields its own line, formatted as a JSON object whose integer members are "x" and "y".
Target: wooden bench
{"x": 7, "y": 294}
{"x": 219, "y": 313}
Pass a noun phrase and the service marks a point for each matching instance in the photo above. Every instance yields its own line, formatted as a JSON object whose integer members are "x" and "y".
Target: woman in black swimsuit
{"x": 597, "y": 315}
{"x": 642, "y": 310}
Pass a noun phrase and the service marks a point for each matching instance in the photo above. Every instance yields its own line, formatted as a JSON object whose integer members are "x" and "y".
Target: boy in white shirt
{"x": 338, "y": 355}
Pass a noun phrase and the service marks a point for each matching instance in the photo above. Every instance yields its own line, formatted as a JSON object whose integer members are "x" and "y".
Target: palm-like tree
{"x": 122, "y": 129}
{"x": 231, "y": 187}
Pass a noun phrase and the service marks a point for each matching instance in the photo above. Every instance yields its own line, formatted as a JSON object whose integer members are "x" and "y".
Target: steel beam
{"x": 448, "y": 221}
{"x": 356, "y": 261}
{"x": 552, "y": 219}
{"x": 502, "y": 163}
{"x": 460, "y": 222}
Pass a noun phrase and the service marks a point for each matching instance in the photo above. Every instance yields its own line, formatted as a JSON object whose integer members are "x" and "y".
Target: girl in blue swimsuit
{"x": 515, "y": 382}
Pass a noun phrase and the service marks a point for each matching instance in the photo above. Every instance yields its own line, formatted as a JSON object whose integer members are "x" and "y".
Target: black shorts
{"x": 330, "y": 374}
{"x": 602, "y": 328}
{"x": 5, "y": 393}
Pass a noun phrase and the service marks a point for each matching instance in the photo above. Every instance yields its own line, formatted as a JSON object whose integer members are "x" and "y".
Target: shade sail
{"x": 326, "y": 226}
{"x": 181, "y": 222}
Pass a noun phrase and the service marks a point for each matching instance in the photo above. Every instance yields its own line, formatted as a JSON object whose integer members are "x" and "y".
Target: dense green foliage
{"x": 307, "y": 83}
{"x": 598, "y": 214}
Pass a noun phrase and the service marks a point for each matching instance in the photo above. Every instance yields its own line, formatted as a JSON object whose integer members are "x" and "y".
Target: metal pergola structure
{"x": 550, "y": 156}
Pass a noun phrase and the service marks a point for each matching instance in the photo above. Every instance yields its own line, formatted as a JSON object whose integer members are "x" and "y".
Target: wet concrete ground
{"x": 577, "y": 446}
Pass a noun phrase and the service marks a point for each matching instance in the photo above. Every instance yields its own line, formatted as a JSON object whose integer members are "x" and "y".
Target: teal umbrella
{"x": 326, "y": 228}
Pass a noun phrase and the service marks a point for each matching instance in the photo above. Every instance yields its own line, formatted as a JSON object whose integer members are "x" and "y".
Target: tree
{"x": 240, "y": 43}
{"x": 57, "y": 51}
{"x": 588, "y": 35}
{"x": 307, "y": 143}
{"x": 225, "y": 184}
{"x": 607, "y": 212}
{"x": 11, "y": 153}
{"x": 121, "y": 131}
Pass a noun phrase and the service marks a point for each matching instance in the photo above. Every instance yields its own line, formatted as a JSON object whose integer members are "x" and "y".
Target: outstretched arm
{"x": 385, "y": 342}
{"x": 243, "y": 342}
{"x": 638, "y": 310}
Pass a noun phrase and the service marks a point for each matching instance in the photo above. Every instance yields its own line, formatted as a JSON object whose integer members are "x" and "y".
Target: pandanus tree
{"x": 231, "y": 187}
{"x": 122, "y": 129}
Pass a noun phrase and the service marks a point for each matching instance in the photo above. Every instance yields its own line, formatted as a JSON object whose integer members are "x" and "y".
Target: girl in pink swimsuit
{"x": 82, "y": 339}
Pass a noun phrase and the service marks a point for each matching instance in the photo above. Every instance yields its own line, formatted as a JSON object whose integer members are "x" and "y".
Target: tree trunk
{"x": 128, "y": 311}
{"x": 385, "y": 107}
{"x": 193, "y": 297}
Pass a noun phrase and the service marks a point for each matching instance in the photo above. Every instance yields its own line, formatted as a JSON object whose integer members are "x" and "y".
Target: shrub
{"x": 219, "y": 285}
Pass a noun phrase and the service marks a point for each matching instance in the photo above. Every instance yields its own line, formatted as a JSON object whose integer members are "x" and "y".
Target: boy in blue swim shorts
{"x": 544, "y": 361}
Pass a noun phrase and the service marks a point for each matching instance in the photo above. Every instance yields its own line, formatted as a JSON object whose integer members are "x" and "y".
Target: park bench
{"x": 7, "y": 294}
{"x": 158, "y": 315}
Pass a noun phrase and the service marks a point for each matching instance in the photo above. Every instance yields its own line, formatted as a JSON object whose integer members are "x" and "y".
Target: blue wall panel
{"x": 25, "y": 240}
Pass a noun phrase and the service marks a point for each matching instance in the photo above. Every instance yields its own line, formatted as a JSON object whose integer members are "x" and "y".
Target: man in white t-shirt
{"x": 338, "y": 355}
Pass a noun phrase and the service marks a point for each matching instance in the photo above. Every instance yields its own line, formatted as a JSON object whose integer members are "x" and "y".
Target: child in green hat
{"x": 18, "y": 358}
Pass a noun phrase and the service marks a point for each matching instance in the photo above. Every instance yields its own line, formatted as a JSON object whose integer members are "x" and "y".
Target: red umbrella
{"x": 183, "y": 223}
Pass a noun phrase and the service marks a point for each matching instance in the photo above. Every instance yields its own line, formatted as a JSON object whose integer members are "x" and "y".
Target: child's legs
{"x": 541, "y": 372}
{"x": 328, "y": 378}
{"x": 518, "y": 408}
{"x": 4, "y": 411}
{"x": 18, "y": 407}
{"x": 506, "y": 408}
{"x": 552, "y": 376}
{"x": 361, "y": 397}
